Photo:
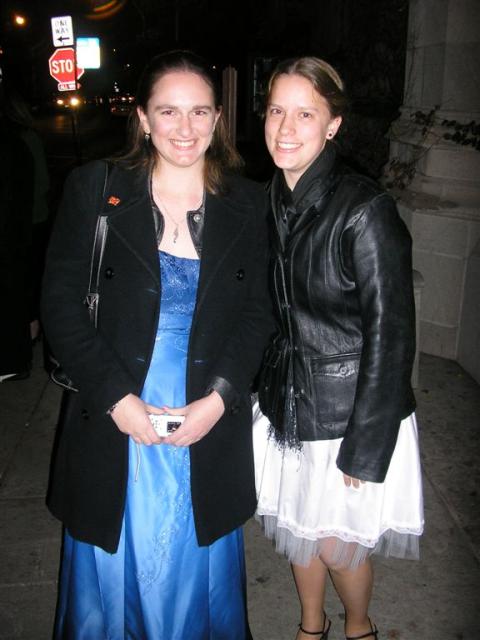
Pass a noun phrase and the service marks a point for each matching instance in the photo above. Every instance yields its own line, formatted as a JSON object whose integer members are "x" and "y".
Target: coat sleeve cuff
{"x": 368, "y": 471}
{"x": 226, "y": 391}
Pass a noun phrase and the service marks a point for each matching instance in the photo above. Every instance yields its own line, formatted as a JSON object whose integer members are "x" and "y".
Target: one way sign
{"x": 62, "y": 31}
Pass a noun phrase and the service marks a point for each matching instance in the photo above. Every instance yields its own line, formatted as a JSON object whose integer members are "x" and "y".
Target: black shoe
{"x": 370, "y": 634}
{"x": 322, "y": 635}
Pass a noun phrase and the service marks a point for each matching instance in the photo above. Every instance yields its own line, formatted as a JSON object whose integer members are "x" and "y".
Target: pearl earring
{"x": 147, "y": 137}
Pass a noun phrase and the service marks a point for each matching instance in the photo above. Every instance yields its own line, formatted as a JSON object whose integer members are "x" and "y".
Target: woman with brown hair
{"x": 153, "y": 546}
{"x": 336, "y": 451}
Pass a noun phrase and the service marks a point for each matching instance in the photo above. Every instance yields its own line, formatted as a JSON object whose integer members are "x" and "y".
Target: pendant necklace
{"x": 177, "y": 224}
{"x": 164, "y": 208}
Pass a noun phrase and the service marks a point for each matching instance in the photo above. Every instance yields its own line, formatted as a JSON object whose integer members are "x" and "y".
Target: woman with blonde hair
{"x": 335, "y": 438}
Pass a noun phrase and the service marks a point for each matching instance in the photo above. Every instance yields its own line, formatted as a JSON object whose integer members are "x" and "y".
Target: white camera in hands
{"x": 165, "y": 424}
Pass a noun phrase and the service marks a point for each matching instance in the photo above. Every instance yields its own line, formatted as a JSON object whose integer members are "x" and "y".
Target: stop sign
{"x": 62, "y": 66}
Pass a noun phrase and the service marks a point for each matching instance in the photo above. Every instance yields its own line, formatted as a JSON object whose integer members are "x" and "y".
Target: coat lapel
{"x": 224, "y": 224}
{"x": 130, "y": 217}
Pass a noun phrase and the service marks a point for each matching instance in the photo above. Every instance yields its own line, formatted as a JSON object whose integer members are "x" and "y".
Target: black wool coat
{"x": 230, "y": 328}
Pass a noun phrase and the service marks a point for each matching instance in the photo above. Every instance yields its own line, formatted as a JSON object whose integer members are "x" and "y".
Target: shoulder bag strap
{"x": 92, "y": 297}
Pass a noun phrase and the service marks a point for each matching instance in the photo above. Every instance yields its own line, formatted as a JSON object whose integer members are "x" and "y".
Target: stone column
{"x": 469, "y": 340}
{"x": 441, "y": 204}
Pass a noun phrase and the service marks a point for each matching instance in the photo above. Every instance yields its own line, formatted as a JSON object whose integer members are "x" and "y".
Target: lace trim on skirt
{"x": 339, "y": 548}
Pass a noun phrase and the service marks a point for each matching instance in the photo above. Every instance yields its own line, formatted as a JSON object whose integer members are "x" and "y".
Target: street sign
{"x": 62, "y": 68}
{"x": 62, "y": 31}
{"x": 68, "y": 86}
{"x": 88, "y": 53}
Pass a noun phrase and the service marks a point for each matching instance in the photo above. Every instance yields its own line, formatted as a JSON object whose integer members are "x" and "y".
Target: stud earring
{"x": 330, "y": 135}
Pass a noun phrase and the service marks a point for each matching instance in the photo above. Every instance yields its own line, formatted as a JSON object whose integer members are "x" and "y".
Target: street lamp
{"x": 19, "y": 21}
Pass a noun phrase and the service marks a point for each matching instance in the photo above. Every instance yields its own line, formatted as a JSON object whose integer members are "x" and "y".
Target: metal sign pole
{"x": 73, "y": 111}
{"x": 63, "y": 35}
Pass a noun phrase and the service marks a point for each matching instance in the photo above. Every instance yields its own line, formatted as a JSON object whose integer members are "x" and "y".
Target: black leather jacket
{"x": 340, "y": 363}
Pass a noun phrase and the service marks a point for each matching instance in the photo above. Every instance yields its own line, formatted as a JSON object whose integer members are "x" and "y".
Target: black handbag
{"x": 57, "y": 373}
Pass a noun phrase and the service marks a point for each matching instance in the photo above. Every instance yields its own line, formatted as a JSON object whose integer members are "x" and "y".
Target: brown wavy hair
{"x": 220, "y": 158}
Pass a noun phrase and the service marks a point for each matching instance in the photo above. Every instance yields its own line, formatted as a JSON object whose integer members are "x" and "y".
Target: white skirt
{"x": 304, "y": 505}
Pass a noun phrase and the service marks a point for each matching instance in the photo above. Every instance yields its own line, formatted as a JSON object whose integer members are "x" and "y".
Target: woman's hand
{"x": 200, "y": 416}
{"x": 131, "y": 417}
{"x": 355, "y": 482}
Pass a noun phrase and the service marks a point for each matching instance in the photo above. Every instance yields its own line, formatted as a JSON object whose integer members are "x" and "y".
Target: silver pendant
{"x": 175, "y": 235}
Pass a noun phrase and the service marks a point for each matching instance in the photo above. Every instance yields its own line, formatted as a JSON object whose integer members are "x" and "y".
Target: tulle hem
{"x": 340, "y": 549}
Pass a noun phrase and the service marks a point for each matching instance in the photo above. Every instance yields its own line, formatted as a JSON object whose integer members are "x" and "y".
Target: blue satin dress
{"x": 159, "y": 585}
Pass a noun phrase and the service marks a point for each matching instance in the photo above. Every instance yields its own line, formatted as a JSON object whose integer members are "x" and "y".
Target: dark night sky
{"x": 143, "y": 27}
{"x": 359, "y": 36}
{"x": 364, "y": 39}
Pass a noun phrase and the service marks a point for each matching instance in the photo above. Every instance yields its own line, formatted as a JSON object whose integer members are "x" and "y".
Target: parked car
{"x": 121, "y": 104}
{"x": 68, "y": 101}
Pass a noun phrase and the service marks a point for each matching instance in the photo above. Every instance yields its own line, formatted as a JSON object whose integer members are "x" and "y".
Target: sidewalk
{"x": 436, "y": 598}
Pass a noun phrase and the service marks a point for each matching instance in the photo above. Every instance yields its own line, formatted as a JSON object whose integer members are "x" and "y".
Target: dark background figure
{"x": 16, "y": 206}
{"x": 18, "y": 112}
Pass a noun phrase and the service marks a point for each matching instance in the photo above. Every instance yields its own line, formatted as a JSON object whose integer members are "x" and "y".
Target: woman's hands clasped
{"x": 131, "y": 417}
{"x": 200, "y": 417}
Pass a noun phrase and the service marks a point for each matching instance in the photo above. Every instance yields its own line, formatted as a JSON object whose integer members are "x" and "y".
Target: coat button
{"x": 109, "y": 273}
{"x": 85, "y": 415}
{"x": 240, "y": 274}
{"x": 197, "y": 217}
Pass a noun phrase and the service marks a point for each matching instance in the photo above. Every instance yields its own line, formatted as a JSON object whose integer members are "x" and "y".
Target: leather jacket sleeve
{"x": 377, "y": 250}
